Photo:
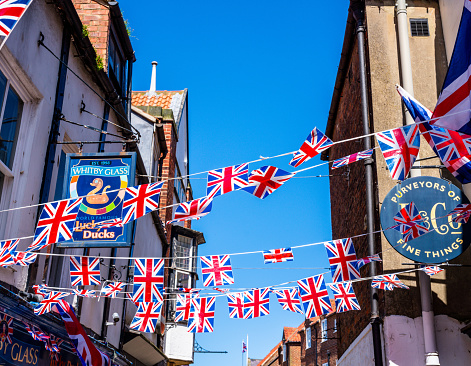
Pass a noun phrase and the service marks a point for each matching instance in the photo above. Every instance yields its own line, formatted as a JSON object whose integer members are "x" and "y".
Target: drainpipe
{"x": 358, "y": 9}
{"x": 428, "y": 318}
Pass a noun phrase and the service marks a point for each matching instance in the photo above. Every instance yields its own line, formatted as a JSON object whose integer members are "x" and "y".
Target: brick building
{"x": 400, "y": 312}
{"x": 274, "y": 357}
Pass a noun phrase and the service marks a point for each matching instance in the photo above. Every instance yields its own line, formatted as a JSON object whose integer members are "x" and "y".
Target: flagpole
{"x": 247, "y": 362}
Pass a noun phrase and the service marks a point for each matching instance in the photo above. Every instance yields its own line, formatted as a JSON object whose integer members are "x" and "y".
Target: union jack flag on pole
{"x": 343, "y": 260}
{"x": 462, "y": 212}
{"x": 202, "y": 315}
{"x": 278, "y": 255}
{"x": 148, "y": 280}
{"x": 235, "y": 303}
{"x": 453, "y": 106}
{"x": 84, "y": 271}
{"x": 256, "y": 303}
{"x": 450, "y": 145}
{"x": 6, "y": 328}
{"x": 315, "y": 143}
{"x": 345, "y": 299}
{"x": 289, "y": 299}
{"x": 410, "y": 223}
{"x": 8, "y": 247}
{"x": 140, "y": 200}
{"x": 400, "y": 148}
{"x": 10, "y": 13}
{"x": 371, "y": 258}
{"x": 112, "y": 289}
{"x": 56, "y": 223}
{"x": 352, "y": 158}
{"x": 264, "y": 181}
{"x": 431, "y": 270}
{"x": 314, "y": 296}
{"x": 51, "y": 298}
{"x": 225, "y": 180}
{"x": 183, "y": 307}
{"x": 193, "y": 210}
{"x": 24, "y": 258}
{"x": 216, "y": 270}
{"x": 146, "y": 317}
{"x": 387, "y": 282}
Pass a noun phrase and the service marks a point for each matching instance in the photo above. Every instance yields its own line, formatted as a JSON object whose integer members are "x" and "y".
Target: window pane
{"x": 182, "y": 248}
{"x": 308, "y": 338}
{"x": 2, "y": 177}
{"x": 3, "y": 85}
{"x": 10, "y": 127}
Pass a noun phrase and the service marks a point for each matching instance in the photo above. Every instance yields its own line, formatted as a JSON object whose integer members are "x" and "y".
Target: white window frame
{"x": 284, "y": 352}
{"x": 308, "y": 337}
{"x": 335, "y": 325}
{"x": 323, "y": 330}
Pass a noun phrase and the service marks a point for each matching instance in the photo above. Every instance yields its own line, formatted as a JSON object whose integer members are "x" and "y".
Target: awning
{"x": 143, "y": 350}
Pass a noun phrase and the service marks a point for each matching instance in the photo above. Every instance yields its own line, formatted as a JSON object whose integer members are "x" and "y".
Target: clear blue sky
{"x": 260, "y": 76}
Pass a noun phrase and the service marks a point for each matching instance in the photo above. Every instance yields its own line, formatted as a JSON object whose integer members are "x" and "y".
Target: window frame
{"x": 324, "y": 332}
{"x": 308, "y": 337}
{"x": 285, "y": 351}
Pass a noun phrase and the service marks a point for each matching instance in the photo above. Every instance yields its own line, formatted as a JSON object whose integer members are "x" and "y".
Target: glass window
{"x": 335, "y": 325}
{"x": 324, "y": 330}
{"x": 117, "y": 66}
{"x": 284, "y": 353}
{"x": 308, "y": 338}
{"x": 179, "y": 186}
{"x": 10, "y": 126}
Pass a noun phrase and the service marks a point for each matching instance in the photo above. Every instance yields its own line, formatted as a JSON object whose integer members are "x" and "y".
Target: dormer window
{"x": 117, "y": 66}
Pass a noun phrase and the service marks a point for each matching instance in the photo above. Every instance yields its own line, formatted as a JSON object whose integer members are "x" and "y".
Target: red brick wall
{"x": 319, "y": 348}
{"x": 96, "y": 18}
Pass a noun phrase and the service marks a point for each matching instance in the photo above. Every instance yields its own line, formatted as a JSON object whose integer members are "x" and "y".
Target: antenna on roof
{"x": 153, "y": 79}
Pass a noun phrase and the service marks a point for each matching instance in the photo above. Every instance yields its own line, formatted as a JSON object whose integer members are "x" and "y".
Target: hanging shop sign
{"x": 434, "y": 198}
{"x": 99, "y": 177}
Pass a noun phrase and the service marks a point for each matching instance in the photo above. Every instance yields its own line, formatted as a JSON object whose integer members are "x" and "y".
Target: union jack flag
{"x": 352, "y": 158}
{"x": 235, "y": 302}
{"x": 85, "y": 293}
{"x": 183, "y": 307}
{"x": 50, "y": 344}
{"x": 371, "y": 258}
{"x": 256, "y": 303}
{"x": 453, "y": 106}
{"x": 450, "y": 145}
{"x": 315, "y": 143}
{"x": 189, "y": 290}
{"x": 460, "y": 168}
{"x": 289, "y": 299}
{"x": 84, "y": 271}
{"x": 343, "y": 260}
{"x": 35, "y": 332}
{"x": 109, "y": 223}
{"x": 264, "y": 181}
{"x": 216, "y": 270}
{"x": 223, "y": 290}
{"x": 244, "y": 347}
{"x": 56, "y": 223}
{"x": 51, "y": 298}
{"x": 387, "y": 282}
{"x": 148, "y": 280}
{"x": 85, "y": 349}
{"x": 140, "y": 200}
{"x": 278, "y": 255}
{"x": 224, "y": 180}
{"x": 112, "y": 289}
{"x": 10, "y": 13}
{"x": 314, "y": 296}
{"x": 6, "y": 328}
{"x": 39, "y": 289}
{"x": 410, "y": 223}
{"x": 202, "y": 315}
{"x": 24, "y": 258}
{"x": 431, "y": 270}
{"x": 146, "y": 317}
{"x": 345, "y": 299}
{"x": 462, "y": 212}
{"x": 7, "y": 247}
{"x": 193, "y": 210}
{"x": 400, "y": 148}
{"x": 418, "y": 111}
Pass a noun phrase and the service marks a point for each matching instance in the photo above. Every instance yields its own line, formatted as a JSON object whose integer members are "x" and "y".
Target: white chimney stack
{"x": 153, "y": 79}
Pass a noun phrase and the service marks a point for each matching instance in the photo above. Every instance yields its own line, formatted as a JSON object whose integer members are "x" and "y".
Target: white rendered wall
{"x": 179, "y": 343}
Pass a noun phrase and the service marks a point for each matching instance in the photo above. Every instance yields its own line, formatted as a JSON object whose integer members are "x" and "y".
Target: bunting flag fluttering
{"x": 146, "y": 317}
{"x": 140, "y": 200}
{"x": 56, "y": 223}
{"x": 85, "y": 293}
{"x": 223, "y": 290}
{"x": 278, "y": 255}
{"x": 35, "y": 332}
{"x": 112, "y": 289}
{"x": 314, "y": 296}
{"x": 235, "y": 303}
{"x": 315, "y": 143}
{"x": 264, "y": 181}
{"x": 228, "y": 179}
{"x": 345, "y": 299}
{"x": 289, "y": 299}
{"x": 84, "y": 271}
{"x": 216, "y": 270}
{"x": 6, "y": 328}
{"x": 410, "y": 223}
{"x": 24, "y": 258}
{"x": 454, "y": 97}
{"x": 51, "y": 298}
{"x": 109, "y": 223}
{"x": 343, "y": 260}
{"x": 193, "y": 210}
{"x": 371, "y": 258}
{"x": 387, "y": 282}
{"x": 463, "y": 212}
{"x": 400, "y": 148}
{"x": 202, "y": 315}
{"x": 39, "y": 289}
{"x": 148, "y": 283}
{"x": 352, "y": 158}
{"x": 182, "y": 308}
{"x": 431, "y": 270}
{"x": 8, "y": 247}
{"x": 256, "y": 303}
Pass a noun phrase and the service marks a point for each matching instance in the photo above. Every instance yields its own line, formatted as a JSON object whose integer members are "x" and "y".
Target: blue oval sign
{"x": 434, "y": 198}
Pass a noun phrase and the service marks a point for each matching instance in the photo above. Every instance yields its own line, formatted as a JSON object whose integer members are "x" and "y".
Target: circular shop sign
{"x": 434, "y": 198}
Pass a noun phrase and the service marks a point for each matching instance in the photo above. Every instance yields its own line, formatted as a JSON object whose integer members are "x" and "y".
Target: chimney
{"x": 153, "y": 79}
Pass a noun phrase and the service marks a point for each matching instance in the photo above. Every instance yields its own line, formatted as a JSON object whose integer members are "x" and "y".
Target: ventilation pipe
{"x": 153, "y": 79}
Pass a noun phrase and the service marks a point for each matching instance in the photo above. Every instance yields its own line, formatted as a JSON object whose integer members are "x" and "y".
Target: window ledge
{"x": 5, "y": 170}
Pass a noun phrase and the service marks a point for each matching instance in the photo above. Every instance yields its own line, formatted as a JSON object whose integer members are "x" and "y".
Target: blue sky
{"x": 260, "y": 76}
